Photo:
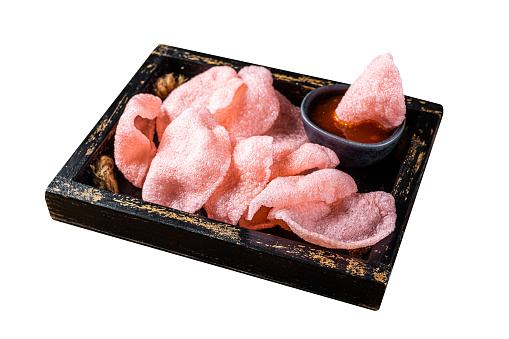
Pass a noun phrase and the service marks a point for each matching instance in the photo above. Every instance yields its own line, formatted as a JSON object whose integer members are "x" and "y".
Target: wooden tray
{"x": 358, "y": 277}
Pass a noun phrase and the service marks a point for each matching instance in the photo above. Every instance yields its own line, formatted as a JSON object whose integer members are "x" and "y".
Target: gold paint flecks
{"x": 322, "y": 258}
{"x": 380, "y": 276}
{"x": 302, "y": 78}
{"x": 356, "y": 268}
{"x": 220, "y": 230}
{"x": 208, "y": 61}
{"x": 102, "y": 126}
{"x": 415, "y": 156}
{"x": 92, "y": 195}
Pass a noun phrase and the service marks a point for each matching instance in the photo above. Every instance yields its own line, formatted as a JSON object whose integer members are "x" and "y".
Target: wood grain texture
{"x": 357, "y": 277}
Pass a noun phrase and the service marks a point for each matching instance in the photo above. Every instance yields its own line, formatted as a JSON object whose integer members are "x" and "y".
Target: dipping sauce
{"x": 368, "y": 132}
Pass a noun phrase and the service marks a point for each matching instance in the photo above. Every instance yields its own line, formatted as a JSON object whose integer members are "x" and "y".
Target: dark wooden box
{"x": 357, "y": 276}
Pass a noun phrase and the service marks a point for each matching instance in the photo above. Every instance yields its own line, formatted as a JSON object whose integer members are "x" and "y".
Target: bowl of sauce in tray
{"x": 357, "y": 145}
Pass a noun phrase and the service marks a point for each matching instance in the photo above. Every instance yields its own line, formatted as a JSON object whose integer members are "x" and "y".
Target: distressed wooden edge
{"x": 260, "y": 264}
{"x": 408, "y": 180}
{"x": 307, "y": 253}
{"x": 306, "y": 81}
{"x": 424, "y": 106}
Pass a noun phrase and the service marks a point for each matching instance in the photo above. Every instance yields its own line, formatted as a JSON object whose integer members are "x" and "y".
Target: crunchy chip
{"x": 376, "y": 95}
{"x": 196, "y": 91}
{"x": 192, "y": 161}
{"x": 134, "y": 146}
{"x": 248, "y": 175}
{"x": 260, "y": 221}
{"x": 326, "y": 185}
{"x": 306, "y": 157}
{"x": 358, "y": 220}
{"x": 288, "y": 130}
{"x": 255, "y": 107}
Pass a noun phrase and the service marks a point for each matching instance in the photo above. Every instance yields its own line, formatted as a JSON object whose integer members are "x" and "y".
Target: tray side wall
{"x": 264, "y": 265}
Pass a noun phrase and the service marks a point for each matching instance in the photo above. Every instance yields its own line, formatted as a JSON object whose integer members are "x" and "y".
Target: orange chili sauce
{"x": 368, "y": 132}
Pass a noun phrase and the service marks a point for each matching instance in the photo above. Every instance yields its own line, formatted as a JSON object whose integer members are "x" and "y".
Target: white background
{"x": 63, "y": 64}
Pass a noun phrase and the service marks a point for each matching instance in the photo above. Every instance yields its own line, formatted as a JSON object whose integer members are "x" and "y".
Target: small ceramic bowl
{"x": 351, "y": 154}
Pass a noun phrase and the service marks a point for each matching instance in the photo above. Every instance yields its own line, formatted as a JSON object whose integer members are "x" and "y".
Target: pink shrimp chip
{"x": 134, "y": 147}
{"x": 326, "y": 185}
{"x": 307, "y": 157}
{"x": 376, "y": 95}
{"x": 288, "y": 130}
{"x": 260, "y": 221}
{"x": 227, "y": 98}
{"x": 248, "y": 175}
{"x": 191, "y": 162}
{"x": 255, "y": 109}
{"x": 356, "y": 221}
{"x": 197, "y": 91}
